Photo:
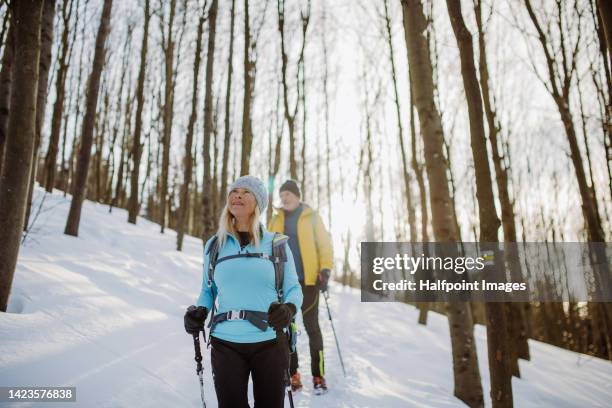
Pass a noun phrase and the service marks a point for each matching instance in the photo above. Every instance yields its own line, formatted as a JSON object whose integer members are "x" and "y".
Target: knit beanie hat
{"x": 255, "y": 186}
{"x": 291, "y": 185}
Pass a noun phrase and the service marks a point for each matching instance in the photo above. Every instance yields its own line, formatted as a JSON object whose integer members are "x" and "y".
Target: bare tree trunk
{"x": 188, "y": 160}
{"x": 207, "y": 201}
{"x": 290, "y": 114}
{"x": 516, "y": 318}
{"x": 465, "y": 362}
{"x": 499, "y": 355}
{"x": 606, "y": 17}
{"x": 100, "y": 132}
{"x": 327, "y": 141}
{"x": 214, "y": 194}
{"x": 64, "y": 171}
{"x": 400, "y": 130}
{"x": 249, "y": 88}
{"x": 74, "y": 216}
{"x": 58, "y": 106}
{"x": 275, "y": 157}
{"x": 168, "y": 48}
{"x": 116, "y": 200}
{"x": 418, "y": 171}
{"x": 228, "y": 92}
{"x": 134, "y": 205}
{"x": 46, "y": 43}
{"x": 108, "y": 195}
{"x": 5, "y": 86}
{"x": 605, "y": 45}
{"x": 559, "y": 88}
{"x": 305, "y": 19}
{"x": 119, "y": 188}
{"x": 14, "y": 178}
{"x": 69, "y": 183}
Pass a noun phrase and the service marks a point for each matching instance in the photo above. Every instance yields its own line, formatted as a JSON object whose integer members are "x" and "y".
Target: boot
{"x": 296, "y": 382}
{"x": 320, "y": 387}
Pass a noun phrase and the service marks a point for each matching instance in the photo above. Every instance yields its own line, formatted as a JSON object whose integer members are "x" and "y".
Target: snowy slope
{"x": 103, "y": 312}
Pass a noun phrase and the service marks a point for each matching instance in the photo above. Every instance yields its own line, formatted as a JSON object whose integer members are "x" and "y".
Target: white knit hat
{"x": 255, "y": 186}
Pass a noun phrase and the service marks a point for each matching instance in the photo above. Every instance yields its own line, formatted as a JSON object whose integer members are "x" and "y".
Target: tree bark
{"x": 305, "y": 19}
{"x": 249, "y": 89}
{"x": 46, "y": 39}
{"x": 327, "y": 138}
{"x": 5, "y": 87}
{"x": 168, "y": 45}
{"x": 560, "y": 84}
{"x": 74, "y": 216}
{"x": 58, "y": 106}
{"x": 465, "y": 362}
{"x": 46, "y": 44}
{"x": 605, "y": 11}
{"x": 400, "y": 130}
{"x": 228, "y": 92}
{"x": 134, "y": 205}
{"x": 418, "y": 171}
{"x": 108, "y": 195}
{"x": 207, "y": 201}
{"x": 188, "y": 159}
{"x": 516, "y": 318}
{"x": 69, "y": 182}
{"x": 499, "y": 367}
{"x": 290, "y": 114}
{"x": 14, "y": 178}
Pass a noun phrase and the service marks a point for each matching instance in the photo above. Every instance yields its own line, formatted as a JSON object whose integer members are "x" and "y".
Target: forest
{"x": 401, "y": 120}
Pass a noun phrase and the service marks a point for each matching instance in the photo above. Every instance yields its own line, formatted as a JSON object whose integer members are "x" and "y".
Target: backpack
{"x": 257, "y": 318}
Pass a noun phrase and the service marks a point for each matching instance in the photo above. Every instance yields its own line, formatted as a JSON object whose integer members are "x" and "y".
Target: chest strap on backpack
{"x": 257, "y": 319}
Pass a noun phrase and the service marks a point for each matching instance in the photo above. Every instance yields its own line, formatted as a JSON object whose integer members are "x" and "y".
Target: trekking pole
{"x": 280, "y": 337}
{"x": 326, "y": 296}
{"x": 198, "y": 359}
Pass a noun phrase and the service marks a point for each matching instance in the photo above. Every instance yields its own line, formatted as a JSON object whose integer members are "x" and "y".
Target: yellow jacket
{"x": 313, "y": 240}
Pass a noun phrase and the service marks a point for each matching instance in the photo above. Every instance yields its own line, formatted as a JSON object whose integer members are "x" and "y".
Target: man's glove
{"x": 194, "y": 319}
{"x": 323, "y": 279}
{"x": 280, "y": 315}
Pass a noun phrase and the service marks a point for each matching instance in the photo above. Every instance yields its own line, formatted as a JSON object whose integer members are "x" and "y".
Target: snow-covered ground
{"x": 104, "y": 312}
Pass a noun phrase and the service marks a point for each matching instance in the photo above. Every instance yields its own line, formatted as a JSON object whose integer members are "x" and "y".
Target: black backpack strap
{"x": 213, "y": 254}
{"x": 279, "y": 257}
{"x": 256, "y": 318}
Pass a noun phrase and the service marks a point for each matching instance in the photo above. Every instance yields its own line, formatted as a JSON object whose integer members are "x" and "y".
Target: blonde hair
{"x": 227, "y": 225}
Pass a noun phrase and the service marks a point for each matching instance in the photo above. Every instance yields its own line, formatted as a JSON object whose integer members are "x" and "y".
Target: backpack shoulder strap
{"x": 213, "y": 254}
{"x": 279, "y": 257}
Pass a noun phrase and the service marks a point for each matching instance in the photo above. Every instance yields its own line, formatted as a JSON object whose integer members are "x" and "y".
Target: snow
{"x": 104, "y": 312}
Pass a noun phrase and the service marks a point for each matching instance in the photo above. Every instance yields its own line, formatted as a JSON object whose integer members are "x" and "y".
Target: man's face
{"x": 290, "y": 201}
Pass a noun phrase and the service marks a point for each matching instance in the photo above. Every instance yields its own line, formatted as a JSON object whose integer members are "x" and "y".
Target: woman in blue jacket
{"x": 251, "y": 307}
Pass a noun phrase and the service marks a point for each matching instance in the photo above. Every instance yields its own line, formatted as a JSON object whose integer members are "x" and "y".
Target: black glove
{"x": 280, "y": 315}
{"x": 323, "y": 279}
{"x": 194, "y": 319}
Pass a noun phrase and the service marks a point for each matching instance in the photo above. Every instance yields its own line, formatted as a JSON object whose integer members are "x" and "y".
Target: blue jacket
{"x": 247, "y": 284}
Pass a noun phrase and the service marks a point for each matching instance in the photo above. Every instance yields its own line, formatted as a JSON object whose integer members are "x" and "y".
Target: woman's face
{"x": 241, "y": 203}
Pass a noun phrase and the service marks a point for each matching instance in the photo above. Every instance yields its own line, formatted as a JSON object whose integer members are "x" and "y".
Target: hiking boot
{"x": 296, "y": 382}
{"x": 320, "y": 387}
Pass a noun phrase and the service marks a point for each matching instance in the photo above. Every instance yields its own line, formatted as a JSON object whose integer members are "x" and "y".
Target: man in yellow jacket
{"x": 311, "y": 247}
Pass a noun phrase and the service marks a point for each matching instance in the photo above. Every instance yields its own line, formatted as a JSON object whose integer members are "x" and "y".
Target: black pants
{"x": 232, "y": 363}
{"x": 310, "y": 316}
